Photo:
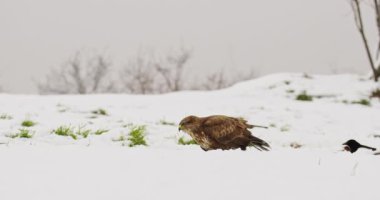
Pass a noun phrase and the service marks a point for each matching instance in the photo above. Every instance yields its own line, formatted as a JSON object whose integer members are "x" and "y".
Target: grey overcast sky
{"x": 315, "y": 36}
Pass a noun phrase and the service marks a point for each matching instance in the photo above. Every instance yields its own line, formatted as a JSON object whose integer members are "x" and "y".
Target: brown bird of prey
{"x": 221, "y": 132}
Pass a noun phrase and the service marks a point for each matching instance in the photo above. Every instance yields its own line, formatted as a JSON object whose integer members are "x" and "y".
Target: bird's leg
{"x": 243, "y": 148}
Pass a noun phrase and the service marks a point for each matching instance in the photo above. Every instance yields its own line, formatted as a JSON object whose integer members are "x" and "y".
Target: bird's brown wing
{"x": 231, "y": 132}
{"x": 227, "y": 131}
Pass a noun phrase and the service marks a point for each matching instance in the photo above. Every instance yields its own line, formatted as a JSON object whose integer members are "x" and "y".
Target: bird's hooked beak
{"x": 180, "y": 128}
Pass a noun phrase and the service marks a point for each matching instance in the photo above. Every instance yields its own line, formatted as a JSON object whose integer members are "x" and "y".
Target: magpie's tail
{"x": 367, "y": 147}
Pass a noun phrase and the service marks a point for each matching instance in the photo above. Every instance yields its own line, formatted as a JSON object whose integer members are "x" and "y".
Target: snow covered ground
{"x": 306, "y": 136}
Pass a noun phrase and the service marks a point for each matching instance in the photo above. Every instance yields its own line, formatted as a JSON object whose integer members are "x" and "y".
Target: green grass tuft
{"x": 182, "y": 141}
{"x": 65, "y": 131}
{"x": 82, "y": 132}
{"x": 363, "y": 102}
{"x": 304, "y": 97}
{"x": 136, "y": 136}
{"x": 28, "y": 123}
{"x": 13, "y": 136}
{"x": 100, "y": 111}
{"x": 100, "y": 131}
{"x": 23, "y": 133}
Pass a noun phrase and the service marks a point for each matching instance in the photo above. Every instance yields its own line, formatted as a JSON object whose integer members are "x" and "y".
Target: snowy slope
{"x": 49, "y": 166}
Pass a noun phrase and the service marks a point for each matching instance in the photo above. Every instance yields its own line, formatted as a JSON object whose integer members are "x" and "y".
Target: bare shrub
{"x": 171, "y": 70}
{"x": 220, "y": 80}
{"x": 139, "y": 75}
{"x": 147, "y": 74}
{"x": 79, "y": 75}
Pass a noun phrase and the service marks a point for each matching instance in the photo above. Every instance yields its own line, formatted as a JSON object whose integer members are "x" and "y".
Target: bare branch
{"x": 215, "y": 81}
{"x": 355, "y": 4}
{"x": 172, "y": 70}
{"x": 138, "y": 75}
{"x": 219, "y": 80}
{"x": 78, "y": 77}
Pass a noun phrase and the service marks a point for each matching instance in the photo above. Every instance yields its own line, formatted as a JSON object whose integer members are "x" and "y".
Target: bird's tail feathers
{"x": 367, "y": 147}
{"x": 259, "y": 144}
{"x": 256, "y": 126}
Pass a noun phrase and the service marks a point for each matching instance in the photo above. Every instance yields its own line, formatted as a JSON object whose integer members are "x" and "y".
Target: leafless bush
{"x": 215, "y": 81}
{"x": 171, "y": 70}
{"x": 220, "y": 80}
{"x": 139, "y": 76}
{"x": 79, "y": 75}
{"x": 147, "y": 74}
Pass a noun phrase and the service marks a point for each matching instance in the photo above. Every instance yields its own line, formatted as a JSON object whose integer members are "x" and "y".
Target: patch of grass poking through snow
{"x": 83, "y": 132}
{"x": 303, "y": 96}
{"x": 28, "y": 123}
{"x": 136, "y": 136}
{"x": 23, "y": 133}
{"x": 80, "y": 132}
{"x": 13, "y": 136}
{"x": 100, "y": 131}
{"x": 5, "y": 117}
{"x": 65, "y": 131}
{"x": 363, "y": 102}
{"x": 182, "y": 141}
{"x": 166, "y": 123}
{"x": 100, "y": 111}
